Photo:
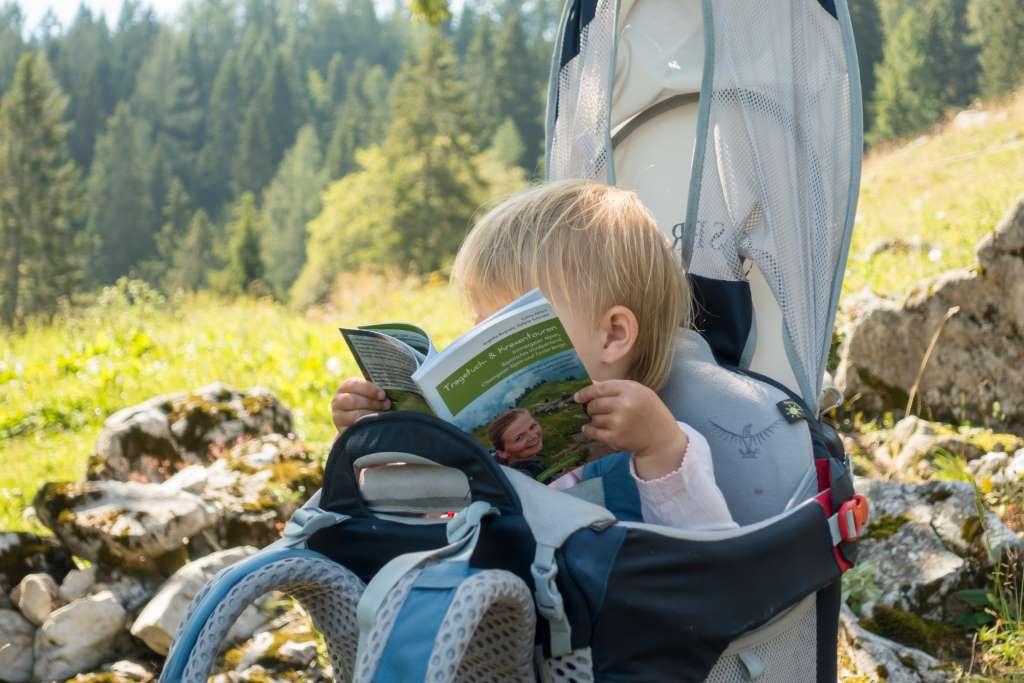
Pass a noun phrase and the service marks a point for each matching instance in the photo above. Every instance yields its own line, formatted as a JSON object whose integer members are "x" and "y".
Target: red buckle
{"x": 853, "y": 517}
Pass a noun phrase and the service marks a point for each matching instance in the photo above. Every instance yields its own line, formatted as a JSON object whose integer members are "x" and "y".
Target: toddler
{"x": 597, "y": 255}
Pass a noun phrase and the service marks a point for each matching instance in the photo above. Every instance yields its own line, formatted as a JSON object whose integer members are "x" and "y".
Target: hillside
{"x": 924, "y": 205}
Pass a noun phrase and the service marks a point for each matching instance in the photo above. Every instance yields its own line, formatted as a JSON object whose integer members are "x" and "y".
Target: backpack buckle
{"x": 853, "y": 517}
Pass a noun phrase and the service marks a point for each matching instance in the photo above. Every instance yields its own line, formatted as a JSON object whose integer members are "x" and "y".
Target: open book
{"x": 509, "y": 382}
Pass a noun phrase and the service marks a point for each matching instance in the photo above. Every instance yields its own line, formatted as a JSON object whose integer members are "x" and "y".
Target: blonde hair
{"x": 590, "y": 245}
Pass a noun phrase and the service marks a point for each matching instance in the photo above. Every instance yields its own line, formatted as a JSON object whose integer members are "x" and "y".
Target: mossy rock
{"x": 885, "y": 527}
{"x": 23, "y": 553}
{"x": 937, "y": 638}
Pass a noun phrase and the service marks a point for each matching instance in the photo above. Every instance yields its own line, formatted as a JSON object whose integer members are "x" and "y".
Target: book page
{"x": 389, "y": 364}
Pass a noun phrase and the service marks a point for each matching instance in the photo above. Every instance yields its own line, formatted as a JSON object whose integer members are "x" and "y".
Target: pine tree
{"x": 928, "y": 66}
{"x": 1001, "y": 35}
{"x": 122, "y": 217}
{"x": 270, "y": 125}
{"x": 465, "y": 30}
{"x": 292, "y": 199}
{"x": 194, "y": 259}
{"x": 245, "y": 264}
{"x": 220, "y": 148}
{"x": 479, "y": 72}
{"x": 867, "y": 27}
{"x": 12, "y": 43}
{"x": 177, "y": 214}
{"x": 507, "y": 146}
{"x": 39, "y": 196}
{"x": 518, "y": 91}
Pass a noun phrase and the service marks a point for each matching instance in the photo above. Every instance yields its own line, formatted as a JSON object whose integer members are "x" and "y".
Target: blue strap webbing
{"x": 621, "y": 496}
{"x": 411, "y": 641}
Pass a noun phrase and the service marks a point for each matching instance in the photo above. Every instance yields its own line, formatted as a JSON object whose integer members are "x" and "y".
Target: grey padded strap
{"x": 304, "y": 522}
{"x": 552, "y": 517}
{"x": 549, "y": 600}
{"x": 463, "y": 533}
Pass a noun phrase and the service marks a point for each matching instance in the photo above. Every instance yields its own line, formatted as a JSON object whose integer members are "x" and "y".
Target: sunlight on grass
{"x": 60, "y": 382}
{"x": 939, "y": 195}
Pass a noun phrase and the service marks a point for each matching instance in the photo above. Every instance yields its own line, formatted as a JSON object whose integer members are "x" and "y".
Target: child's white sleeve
{"x": 688, "y": 498}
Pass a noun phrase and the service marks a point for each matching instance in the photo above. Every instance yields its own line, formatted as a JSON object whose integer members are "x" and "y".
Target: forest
{"x": 261, "y": 147}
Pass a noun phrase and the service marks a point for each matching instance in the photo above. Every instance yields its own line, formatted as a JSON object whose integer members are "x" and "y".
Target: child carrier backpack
{"x": 738, "y": 124}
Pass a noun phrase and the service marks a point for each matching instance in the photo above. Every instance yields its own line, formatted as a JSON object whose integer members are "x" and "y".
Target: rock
{"x": 926, "y": 542}
{"x": 167, "y": 433}
{"x": 158, "y": 622}
{"x": 871, "y": 657}
{"x": 36, "y": 596}
{"x": 298, "y": 654}
{"x": 78, "y": 637}
{"x": 131, "y": 671}
{"x": 999, "y": 469}
{"x": 910, "y": 449}
{"x": 77, "y": 584}
{"x": 257, "y": 647}
{"x": 974, "y": 371}
{"x": 16, "y": 635}
{"x": 125, "y": 524}
{"x": 22, "y": 553}
{"x": 131, "y": 590}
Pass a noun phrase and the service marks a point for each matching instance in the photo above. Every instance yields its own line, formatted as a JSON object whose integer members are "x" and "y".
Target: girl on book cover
{"x": 517, "y": 439}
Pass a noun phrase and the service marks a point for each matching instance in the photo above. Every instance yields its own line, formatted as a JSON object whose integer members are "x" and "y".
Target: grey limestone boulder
{"x": 122, "y": 524}
{"x": 23, "y": 553}
{"x": 926, "y": 542}
{"x": 16, "y": 636}
{"x": 78, "y": 637}
{"x": 158, "y": 622}
{"x": 153, "y": 440}
{"x": 36, "y": 597}
{"x": 974, "y": 372}
{"x": 867, "y": 656}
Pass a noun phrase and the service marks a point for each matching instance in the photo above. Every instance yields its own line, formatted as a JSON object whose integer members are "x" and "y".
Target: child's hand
{"x": 355, "y": 398}
{"x": 628, "y": 416}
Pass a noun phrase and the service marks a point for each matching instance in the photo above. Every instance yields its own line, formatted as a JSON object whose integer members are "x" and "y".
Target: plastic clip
{"x": 853, "y": 517}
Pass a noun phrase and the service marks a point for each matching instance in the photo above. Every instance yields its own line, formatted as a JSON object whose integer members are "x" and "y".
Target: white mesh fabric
{"x": 579, "y": 143}
{"x": 789, "y": 654}
{"x": 575, "y": 667}
{"x": 774, "y": 187}
{"x": 487, "y": 633}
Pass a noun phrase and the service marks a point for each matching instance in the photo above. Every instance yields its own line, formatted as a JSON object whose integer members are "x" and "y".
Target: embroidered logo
{"x": 749, "y": 442}
{"x": 791, "y": 410}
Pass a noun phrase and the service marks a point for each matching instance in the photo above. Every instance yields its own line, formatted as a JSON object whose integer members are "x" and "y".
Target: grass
{"x": 946, "y": 191}
{"x": 60, "y": 381}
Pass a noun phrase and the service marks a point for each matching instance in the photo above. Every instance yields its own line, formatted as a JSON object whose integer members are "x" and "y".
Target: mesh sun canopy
{"x": 771, "y": 147}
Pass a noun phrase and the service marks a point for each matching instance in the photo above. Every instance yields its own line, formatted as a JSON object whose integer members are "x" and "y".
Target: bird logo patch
{"x": 747, "y": 440}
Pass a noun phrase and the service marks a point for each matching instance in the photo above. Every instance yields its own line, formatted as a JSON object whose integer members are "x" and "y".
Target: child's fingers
{"x": 595, "y": 390}
{"x": 349, "y": 402}
{"x": 598, "y": 434}
{"x": 602, "y": 406}
{"x": 361, "y": 387}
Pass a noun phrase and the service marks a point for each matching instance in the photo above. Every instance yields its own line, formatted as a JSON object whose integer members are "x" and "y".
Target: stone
{"x": 298, "y": 654}
{"x": 974, "y": 371}
{"x": 926, "y": 542}
{"x": 23, "y": 553}
{"x": 256, "y": 648}
{"x": 125, "y": 524}
{"x": 36, "y": 596}
{"x": 16, "y": 636}
{"x": 868, "y": 656}
{"x": 158, "y": 622}
{"x": 999, "y": 468}
{"x": 78, "y": 637}
{"x": 165, "y": 434}
{"x": 132, "y": 671}
{"x": 77, "y": 584}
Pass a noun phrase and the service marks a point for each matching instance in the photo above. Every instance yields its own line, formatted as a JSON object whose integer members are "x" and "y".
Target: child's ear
{"x": 619, "y": 330}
